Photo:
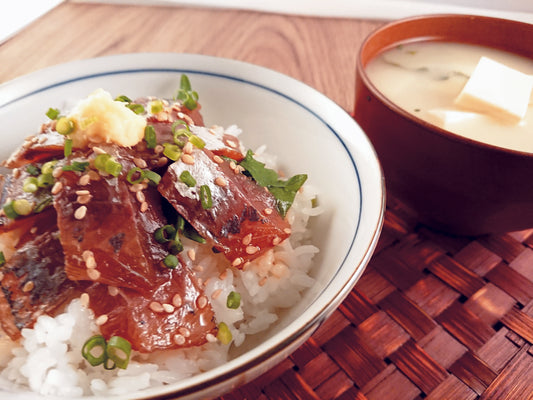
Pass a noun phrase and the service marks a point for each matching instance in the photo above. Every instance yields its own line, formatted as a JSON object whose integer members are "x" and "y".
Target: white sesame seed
{"x": 83, "y": 192}
{"x": 187, "y": 159}
{"x": 139, "y": 162}
{"x": 262, "y": 281}
{"x": 287, "y": 231}
{"x": 276, "y": 241}
{"x": 231, "y": 143}
{"x": 179, "y": 339}
{"x": 162, "y": 162}
{"x": 90, "y": 263}
{"x": 80, "y": 212}
{"x": 220, "y": 181}
{"x": 237, "y": 262}
{"x": 28, "y": 286}
{"x": 223, "y": 275}
{"x": 268, "y": 211}
{"x": 201, "y": 302}
{"x": 93, "y": 274}
{"x": 218, "y": 159}
{"x": 191, "y": 254}
{"x": 98, "y": 150}
{"x": 156, "y": 307}
{"x": 140, "y": 196}
{"x": 112, "y": 290}
{"x": 86, "y": 254}
{"x": 84, "y": 180}
{"x": 102, "y": 319}
{"x": 93, "y": 175}
{"x": 85, "y": 199}
{"x": 16, "y": 173}
{"x": 169, "y": 308}
{"x": 232, "y": 165}
{"x": 186, "y": 332}
{"x": 216, "y": 294}
{"x": 58, "y": 186}
{"x": 144, "y": 206}
{"x": 33, "y": 230}
{"x": 158, "y": 149}
{"x": 199, "y": 268}
{"x": 247, "y": 239}
{"x": 251, "y": 249}
{"x": 188, "y": 148}
{"x": 176, "y": 301}
{"x": 210, "y": 338}
{"x": 84, "y": 299}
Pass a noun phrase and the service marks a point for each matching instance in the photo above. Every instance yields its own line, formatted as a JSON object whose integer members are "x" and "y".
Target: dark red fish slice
{"x": 173, "y": 314}
{"x": 33, "y": 283}
{"x": 242, "y": 222}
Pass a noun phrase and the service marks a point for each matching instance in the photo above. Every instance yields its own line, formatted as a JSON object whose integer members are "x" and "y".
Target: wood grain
{"x": 321, "y": 52}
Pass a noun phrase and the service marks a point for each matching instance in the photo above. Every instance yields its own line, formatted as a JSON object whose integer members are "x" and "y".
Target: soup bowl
{"x": 453, "y": 183}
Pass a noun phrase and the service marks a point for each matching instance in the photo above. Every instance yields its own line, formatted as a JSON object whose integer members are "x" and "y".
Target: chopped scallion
{"x": 30, "y": 184}
{"x": 175, "y": 246}
{"x": 67, "y": 150}
{"x": 224, "y": 334}
{"x": 187, "y": 178}
{"x": 94, "y": 350}
{"x": 205, "y": 197}
{"x": 22, "y": 207}
{"x": 45, "y": 180}
{"x": 171, "y": 151}
{"x": 138, "y": 172}
{"x": 100, "y": 161}
{"x": 118, "y": 350}
{"x": 65, "y": 126}
{"x": 52, "y": 113}
{"x": 234, "y": 300}
{"x": 170, "y": 261}
{"x": 112, "y": 167}
{"x": 48, "y": 167}
{"x": 78, "y": 166}
{"x": 33, "y": 170}
{"x": 136, "y": 108}
{"x": 152, "y": 176}
{"x": 156, "y": 106}
{"x": 122, "y": 98}
{"x": 197, "y": 141}
{"x": 9, "y": 211}
{"x": 43, "y": 204}
{"x": 2, "y": 259}
{"x": 150, "y": 136}
{"x": 165, "y": 234}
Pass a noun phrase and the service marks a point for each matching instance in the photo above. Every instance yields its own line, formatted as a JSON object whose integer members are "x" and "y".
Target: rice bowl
{"x": 323, "y": 136}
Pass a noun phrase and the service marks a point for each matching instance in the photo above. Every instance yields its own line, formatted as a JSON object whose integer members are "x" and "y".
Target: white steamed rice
{"x": 48, "y": 359}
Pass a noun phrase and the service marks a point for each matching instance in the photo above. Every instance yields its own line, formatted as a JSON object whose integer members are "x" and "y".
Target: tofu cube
{"x": 497, "y": 90}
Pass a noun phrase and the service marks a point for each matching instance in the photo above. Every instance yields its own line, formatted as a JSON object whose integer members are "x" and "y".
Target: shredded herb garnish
{"x": 205, "y": 197}
{"x": 185, "y": 93}
{"x": 53, "y": 113}
{"x": 33, "y": 170}
{"x": 283, "y": 191}
{"x": 78, "y": 166}
{"x": 136, "y": 108}
{"x": 150, "y": 136}
{"x": 122, "y": 98}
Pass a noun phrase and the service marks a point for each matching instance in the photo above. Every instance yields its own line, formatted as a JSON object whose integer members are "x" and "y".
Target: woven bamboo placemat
{"x": 433, "y": 317}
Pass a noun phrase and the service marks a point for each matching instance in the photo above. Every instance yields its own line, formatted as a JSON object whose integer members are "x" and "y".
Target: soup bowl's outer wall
{"x": 453, "y": 183}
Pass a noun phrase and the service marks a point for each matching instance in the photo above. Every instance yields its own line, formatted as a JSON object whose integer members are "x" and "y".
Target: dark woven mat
{"x": 433, "y": 317}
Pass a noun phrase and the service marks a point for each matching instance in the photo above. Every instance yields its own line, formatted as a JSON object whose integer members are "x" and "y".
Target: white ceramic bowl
{"x": 309, "y": 133}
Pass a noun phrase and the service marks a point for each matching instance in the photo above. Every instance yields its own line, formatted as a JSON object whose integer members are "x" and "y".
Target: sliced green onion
{"x": 52, "y": 113}
{"x": 30, "y": 184}
{"x": 22, "y": 207}
{"x": 100, "y": 161}
{"x": 165, "y": 234}
{"x": 150, "y": 137}
{"x": 136, "y": 108}
{"x": 132, "y": 172}
{"x": 65, "y": 126}
{"x": 152, "y": 176}
{"x": 33, "y": 170}
{"x": 197, "y": 141}
{"x": 122, "y": 98}
{"x": 179, "y": 122}
{"x": 48, "y": 167}
{"x": 205, "y": 197}
{"x": 156, "y": 106}
{"x": 171, "y": 151}
{"x": 78, "y": 166}
{"x": 224, "y": 334}
{"x": 45, "y": 180}
{"x": 9, "y": 211}
{"x": 190, "y": 233}
{"x": 170, "y": 261}
{"x": 187, "y": 178}
{"x": 67, "y": 149}
{"x": 112, "y": 167}
{"x": 234, "y": 300}
{"x": 43, "y": 204}
{"x": 94, "y": 350}
{"x": 2, "y": 259}
{"x": 118, "y": 350}
{"x": 175, "y": 246}
{"x": 109, "y": 364}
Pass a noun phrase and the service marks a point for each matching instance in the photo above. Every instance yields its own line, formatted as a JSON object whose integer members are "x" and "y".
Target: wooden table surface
{"x": 318, "y": 51}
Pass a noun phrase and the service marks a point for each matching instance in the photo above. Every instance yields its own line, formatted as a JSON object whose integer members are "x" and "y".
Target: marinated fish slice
{"x": 33, "y": 283}
{"x": 242, "y": 220}
{"x": 39, "y": 148}
{"x": 174, "y": 313}
{"x": 107, "y": 238}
